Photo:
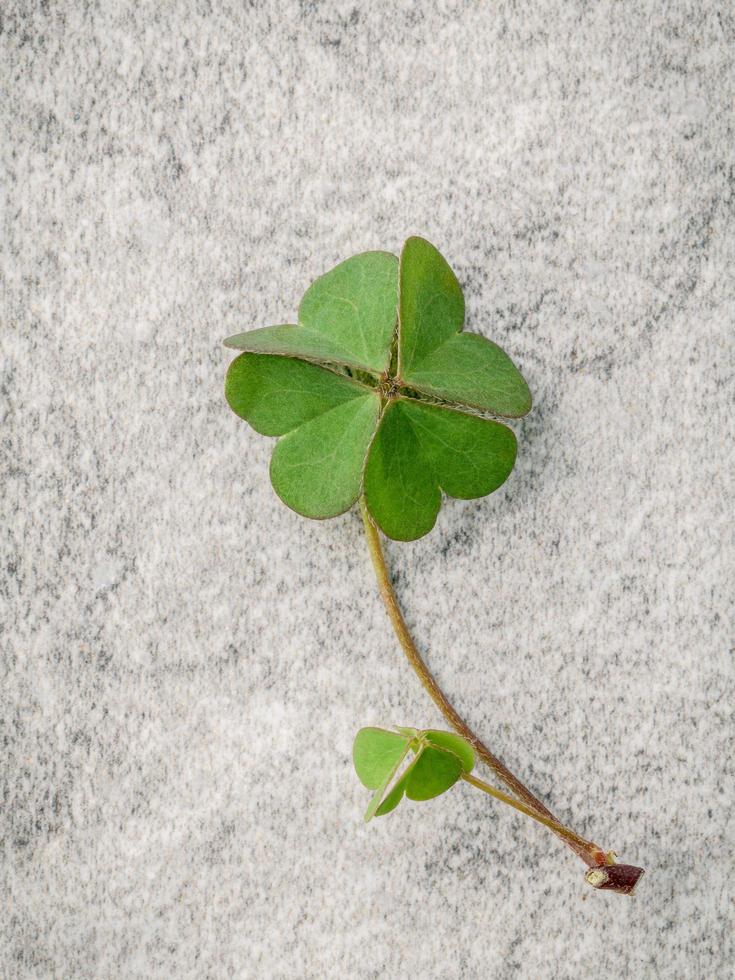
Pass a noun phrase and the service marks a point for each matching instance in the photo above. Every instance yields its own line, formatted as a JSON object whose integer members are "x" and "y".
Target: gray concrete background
{"x": 185, "y": 661}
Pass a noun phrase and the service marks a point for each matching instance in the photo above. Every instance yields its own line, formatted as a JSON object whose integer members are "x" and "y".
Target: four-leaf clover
{"x": 378, "y": 391}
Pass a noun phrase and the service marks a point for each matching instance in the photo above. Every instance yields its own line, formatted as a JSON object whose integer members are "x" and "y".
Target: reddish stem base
{"x": 620, "y": 878}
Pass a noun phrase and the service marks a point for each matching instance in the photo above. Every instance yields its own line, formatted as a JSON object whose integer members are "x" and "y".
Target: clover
{"x": 378, "y": 395}
{"x": 378, "y": 391}
{"x": 436, "y": 760}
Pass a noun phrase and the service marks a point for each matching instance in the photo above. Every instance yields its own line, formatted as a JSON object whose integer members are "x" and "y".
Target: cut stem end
{"x": 620, "y": 878}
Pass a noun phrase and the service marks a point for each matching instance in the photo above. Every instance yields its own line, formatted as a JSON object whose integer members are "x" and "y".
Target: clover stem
{"x": 621, "y": 878}
{"x": 526, "y": 802}
{"x": 497, "y": 794}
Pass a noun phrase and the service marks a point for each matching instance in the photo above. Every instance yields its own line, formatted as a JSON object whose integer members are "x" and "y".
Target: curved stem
{"x": 497, "y": 794}
{"x": 590, "y": 853}
{"x": 620, "y": 878}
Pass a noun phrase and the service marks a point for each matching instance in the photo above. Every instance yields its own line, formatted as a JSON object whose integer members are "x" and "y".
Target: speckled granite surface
{"x": 171, "y": 634}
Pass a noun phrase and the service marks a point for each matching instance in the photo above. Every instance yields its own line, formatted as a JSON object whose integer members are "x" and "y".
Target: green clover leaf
{"x": 439, "y": 760}
{"x": 378, "y": 391}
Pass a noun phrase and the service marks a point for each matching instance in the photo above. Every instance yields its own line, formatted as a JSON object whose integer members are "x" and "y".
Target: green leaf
{"x": 277, "y": 394}
{"x": 437, "y": 359}
{"x": 296, "y": 381}
{"x": 440, "y": 759}
{"x": 421, "y": 448}
{"x": 347, "y": 316}
{"x": 356, "y": 304}
{"x": 430, "y": 774}
{"x": 453, "y": 743}
{"x": 470, "y": 370}
{"x": 434, "y": 772}
{"x": 380, "y": 798}
{"x": 292, "y": 340}
{"x": 317, "y": 469}
{"x": 394, "y": 797}
{"x": 411, "y": 732}
{"x": 401, "y": 495}
{"x": 375, "y": 753}
{"x": 431, "y": 304}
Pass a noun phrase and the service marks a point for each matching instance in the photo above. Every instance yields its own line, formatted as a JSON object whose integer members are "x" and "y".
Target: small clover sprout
{"x": 417, "y": 764}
